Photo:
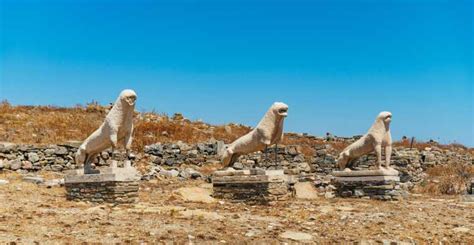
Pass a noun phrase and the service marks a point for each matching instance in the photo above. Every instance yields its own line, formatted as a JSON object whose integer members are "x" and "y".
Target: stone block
{"x": 112, "y": 185}
{"x": 374, "y": 184}
{"x": 252, "y": 185}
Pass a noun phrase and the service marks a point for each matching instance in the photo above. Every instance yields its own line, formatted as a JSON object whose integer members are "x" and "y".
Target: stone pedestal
{"x": 253, "y": 185}
{"x": 112, "y": 185}
{"x": 373, "y": 184}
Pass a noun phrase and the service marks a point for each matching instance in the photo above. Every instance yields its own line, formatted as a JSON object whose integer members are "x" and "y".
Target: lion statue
{"x": 268, "y": 132}
{"x": 378, "y": 136}
{"x": 116, "y": 129}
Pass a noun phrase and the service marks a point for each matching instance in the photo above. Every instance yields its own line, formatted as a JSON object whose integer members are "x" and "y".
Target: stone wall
{"x": 175, "y": 159}
{"x": 411, "y": 163}
{"x": 27, "y": 158}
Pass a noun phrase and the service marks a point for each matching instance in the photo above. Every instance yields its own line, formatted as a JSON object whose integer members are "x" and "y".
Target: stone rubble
{"x": 177, "y": 160}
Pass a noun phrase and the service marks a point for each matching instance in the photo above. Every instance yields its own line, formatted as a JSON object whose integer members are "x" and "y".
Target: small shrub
{"x": 447, "y": 179}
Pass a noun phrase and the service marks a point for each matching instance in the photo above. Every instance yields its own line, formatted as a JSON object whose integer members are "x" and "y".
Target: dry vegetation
{"x": 447, "y": 179}
{"x": 55, "y": 125}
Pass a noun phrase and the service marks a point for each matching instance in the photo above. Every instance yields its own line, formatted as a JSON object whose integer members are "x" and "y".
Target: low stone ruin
{"x": 372, "y": 184}
{"x": 254, "y": 185}
{"x": 177, "y": 159}
{"x": 112, "y": 185}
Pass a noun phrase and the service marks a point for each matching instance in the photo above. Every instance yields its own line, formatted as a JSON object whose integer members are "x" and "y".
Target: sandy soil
{"x": 30, "y": 213}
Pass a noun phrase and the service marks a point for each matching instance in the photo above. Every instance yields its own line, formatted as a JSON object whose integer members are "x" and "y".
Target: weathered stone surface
{"x": 305, "y": 190}
{"x": 169, "y": 173}
{"x": 296, "y": 236}
{"x": 33, "y": 157}
{"x": 468, "y": 198}
{"x": 15, "y": 165}
{"x": 195, "y": 194}
{"x": 33, "y": 179}
{"x": 99, "y": 192}
{"x": 367, "y": 178}
{"x": 4, "y": 182}
{"x": 190, "y": 173}
{"x": 112, "y": 185}
{"x": 251, "y": 185}
{"x": 108, "y": 174}
{"x": 411, "y": 163}
{"x": 197, "y": 213}
{"x": 385, "y": 186}
{"x": 362, "y": 173}
{"x": 461, "y": 230}
{"x": 54, "y": 183}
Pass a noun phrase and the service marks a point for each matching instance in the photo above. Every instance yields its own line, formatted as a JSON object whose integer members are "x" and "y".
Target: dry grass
{"x": 447, "y": 179}
{"x": 422, "y": 145}
{"x": 55, "y": 125}
{"x": 47, "y": 124}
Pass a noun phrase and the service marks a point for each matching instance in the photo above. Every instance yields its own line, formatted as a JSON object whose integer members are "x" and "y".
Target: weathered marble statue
{"x": 378, "y": 136}
{"x": 116, "y": 129}
{"x": 268, "y": 132}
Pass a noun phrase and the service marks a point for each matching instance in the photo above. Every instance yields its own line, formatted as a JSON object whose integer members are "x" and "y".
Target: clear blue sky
{"x": 336, "y": 63}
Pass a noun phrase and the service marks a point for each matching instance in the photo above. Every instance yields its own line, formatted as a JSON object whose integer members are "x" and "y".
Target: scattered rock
{"x": 61, "y": 151}
{"x": 33, "y": 157}
{"x": 195, "y": 194}
{"x": 305, "y": 190}
{"x": 26, "y": 165}
{"x": 54, "y": 183}
{"x": 4, "y": 182}
{"x": 15, "y": 165}
{"x": 33, "y": 179}
{"x": 304, "y": 167}
{"x": 461, "y": 230}
{"x": 201, "y": 214}
{"x": 238, "y": 166}
{"x": 329, "y": 195}
{"x": 296, "y": 236}
{"x": 169, "y": 173}
{"x": 190, "y": 173}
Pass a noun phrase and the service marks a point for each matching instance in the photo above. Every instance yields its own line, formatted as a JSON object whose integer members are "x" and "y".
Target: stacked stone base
{"x": 372, "y": 184}
{"x": 251, "y": 185}
{"x": 118, "y": 186}
{"x": 109, "y": 192}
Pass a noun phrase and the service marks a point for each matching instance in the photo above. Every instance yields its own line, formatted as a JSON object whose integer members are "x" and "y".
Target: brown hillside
{"x": 55, "y": 125}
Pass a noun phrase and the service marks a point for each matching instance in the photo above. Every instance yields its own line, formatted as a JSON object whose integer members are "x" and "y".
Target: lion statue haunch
{"x": 117, "y": 128}
{"x": 378, "y": 136}
{"x": 268, "y": 132}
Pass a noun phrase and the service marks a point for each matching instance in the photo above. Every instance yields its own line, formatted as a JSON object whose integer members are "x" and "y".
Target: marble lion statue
{"x": 378, "y": 136}
{"x": 116, "y": 129}
{"x": 268, "y": 132}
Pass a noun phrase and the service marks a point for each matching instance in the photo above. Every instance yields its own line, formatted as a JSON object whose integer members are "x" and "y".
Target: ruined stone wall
{"x": 175, "y": 159}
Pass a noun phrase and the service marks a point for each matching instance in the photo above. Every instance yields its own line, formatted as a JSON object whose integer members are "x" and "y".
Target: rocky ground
{"x": 32, "y": 213}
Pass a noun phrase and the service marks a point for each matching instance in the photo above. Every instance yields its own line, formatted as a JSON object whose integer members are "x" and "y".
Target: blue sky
{"x": 336, "y": 63}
